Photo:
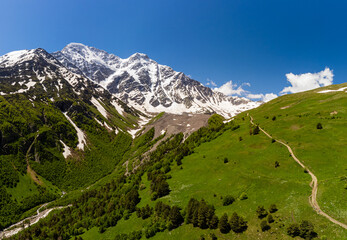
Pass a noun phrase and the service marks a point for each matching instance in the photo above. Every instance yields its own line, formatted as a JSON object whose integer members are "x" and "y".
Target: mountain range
{"x": 147, "y": 85}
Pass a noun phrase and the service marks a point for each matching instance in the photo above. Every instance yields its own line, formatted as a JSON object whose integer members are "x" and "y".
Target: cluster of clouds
{"x": 298, "y": 83}
{"x": 308, "y": 81}
{"x": 231, "y": 89}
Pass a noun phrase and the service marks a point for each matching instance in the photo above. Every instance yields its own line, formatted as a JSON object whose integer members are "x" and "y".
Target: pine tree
{"x": 214, "y": 222}
{"x": 175, "y": 217}
{"x": 237, "y": 223}
{"x": 202, "y": 213}
{"x": 223, "y": 224}
{"x": 191, "y": 208}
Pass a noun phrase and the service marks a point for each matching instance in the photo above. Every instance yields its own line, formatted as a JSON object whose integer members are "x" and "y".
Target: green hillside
{"x": 322, "y": 150}
{"x": 38, "y": 123}
{"x": 225, "y": 181}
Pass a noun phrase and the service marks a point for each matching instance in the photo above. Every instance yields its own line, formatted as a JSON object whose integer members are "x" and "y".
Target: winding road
{"x": 313, "y": 184}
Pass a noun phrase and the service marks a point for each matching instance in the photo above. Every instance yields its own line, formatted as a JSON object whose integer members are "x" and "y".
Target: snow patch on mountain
{"x": 81, "y": 136}
{"x": 15, "y": 57}
{"x": 98, "y": 106}
{"x": 143, "y": 121}
{"x": 118, "y": 107}
{"x": 338, "y": 90}
{"x": 67, "y": 151}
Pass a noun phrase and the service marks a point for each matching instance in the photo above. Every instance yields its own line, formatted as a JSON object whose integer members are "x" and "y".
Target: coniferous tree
{"x": 202, "y": 213}
{"x": 175, "y": 217}
{"x": 191, "y": 208}
{"x": 237, "y": 223}
{"x": 214, "y": 222}
{"x": 223, "y": 224}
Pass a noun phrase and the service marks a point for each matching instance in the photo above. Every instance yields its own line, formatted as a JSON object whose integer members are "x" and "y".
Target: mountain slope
{"x": 186, "y": 187}
{"x": 147, "y": 85}
{"x": 58, "y": 131}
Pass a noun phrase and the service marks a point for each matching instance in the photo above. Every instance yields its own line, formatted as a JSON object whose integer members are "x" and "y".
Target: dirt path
{"x": 313, "y": 184}
{"x": 32, "y": 174}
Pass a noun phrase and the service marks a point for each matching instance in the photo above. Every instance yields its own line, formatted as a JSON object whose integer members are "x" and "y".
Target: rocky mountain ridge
{"x": 147, "y": 85}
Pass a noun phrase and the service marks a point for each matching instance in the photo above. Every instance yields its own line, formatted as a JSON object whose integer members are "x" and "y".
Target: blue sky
{"x": 255, "y": 42}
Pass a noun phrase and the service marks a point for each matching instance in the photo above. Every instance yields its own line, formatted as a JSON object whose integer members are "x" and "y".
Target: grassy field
{"x": 322, "y": 150}
{"x": 250, "y": 170}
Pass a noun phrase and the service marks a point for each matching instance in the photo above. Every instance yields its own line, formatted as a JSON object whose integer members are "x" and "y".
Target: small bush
{"x": 273, "y": 208}
{"x": 213, "y": 236}
{"x": 293, "y": 230}
{"x": 227, "y": 200}
{"x": 226, "y": 160}
{"x": 264, "y": 226}
{"x": 270, "y": 219}
{"x": 256, "y": 130}
{"x": 319, "y": 126}
{"x": 261, "y": 212}
{"x": 243, "y": 196}
{"x": 304, "y": 230}
{"x": 273, "y": 118}
{"x": 277, "y": 164}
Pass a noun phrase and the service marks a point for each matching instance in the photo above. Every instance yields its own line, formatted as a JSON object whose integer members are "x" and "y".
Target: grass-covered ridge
{"x": 296, "y": 118}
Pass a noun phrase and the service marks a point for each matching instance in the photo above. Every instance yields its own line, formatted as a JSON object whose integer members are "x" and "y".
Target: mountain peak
{"x": 139, "y": 56}
{"x": 15, "y": 57}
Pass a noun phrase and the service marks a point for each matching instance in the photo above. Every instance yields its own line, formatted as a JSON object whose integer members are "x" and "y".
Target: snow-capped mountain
{"x": 41, "y": 77}
{"x": 25, "y": 70}
{"x": 147, "y": 85}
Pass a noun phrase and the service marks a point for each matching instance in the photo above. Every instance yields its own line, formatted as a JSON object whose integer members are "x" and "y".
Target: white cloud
{"x": 308, "y": 81}
{"x": 265, "y": 98}
{"x": 210, "y": 82}
{"x": 229, "y": 88}
{"x": 255, "y": 96}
